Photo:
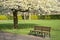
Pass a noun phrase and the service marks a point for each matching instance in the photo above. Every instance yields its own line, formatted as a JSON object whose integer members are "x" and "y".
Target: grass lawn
{"x": 27, "y": 25}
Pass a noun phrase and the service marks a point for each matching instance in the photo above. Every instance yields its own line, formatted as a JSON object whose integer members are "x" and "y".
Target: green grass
{"x": 27, "y": 25}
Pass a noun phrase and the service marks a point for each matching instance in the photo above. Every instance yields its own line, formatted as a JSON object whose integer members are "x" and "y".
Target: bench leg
{"x": 49, "y": 35}
{"x": 33, "y": 32}
{"x": 44, "y": 35}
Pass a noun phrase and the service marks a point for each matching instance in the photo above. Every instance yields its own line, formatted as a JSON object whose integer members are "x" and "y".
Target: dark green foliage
{"x": 21, "y": 26}
{"x": 49, "y": 17}
{"x": 55, "y": 16}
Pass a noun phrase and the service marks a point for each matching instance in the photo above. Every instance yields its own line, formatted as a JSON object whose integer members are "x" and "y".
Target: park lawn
{"x": 26, "y": 25}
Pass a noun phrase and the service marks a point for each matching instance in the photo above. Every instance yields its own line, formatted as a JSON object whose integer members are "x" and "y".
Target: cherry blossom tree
{"x": 26, "y": 6}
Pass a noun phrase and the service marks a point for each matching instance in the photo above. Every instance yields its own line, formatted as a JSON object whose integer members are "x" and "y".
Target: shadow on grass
{"x": 20, "y": 26}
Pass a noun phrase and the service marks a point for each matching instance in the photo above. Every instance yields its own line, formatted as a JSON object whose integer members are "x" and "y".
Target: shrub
{"x": 34, "y": 17}
{"x": 41, "y": 17}
{"x": 10, "y": 17}
{"x": 47, "y": 17}
{"x": 19, "y": 17}
{"x": 3, "y": 17}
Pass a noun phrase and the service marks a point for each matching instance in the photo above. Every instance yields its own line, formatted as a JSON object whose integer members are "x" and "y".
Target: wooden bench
{"x": 41, "y": 30}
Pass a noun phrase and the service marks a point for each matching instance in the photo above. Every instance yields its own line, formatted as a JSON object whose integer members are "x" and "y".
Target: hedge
{"x": 49, "y": 17}
{"x": 7, "y": 17}
{"x": 11, "y": 17}
{"x": 33, "y": 17}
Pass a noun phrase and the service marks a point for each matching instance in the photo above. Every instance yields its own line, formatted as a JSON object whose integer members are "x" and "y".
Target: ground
{"x": 10, "y": 36}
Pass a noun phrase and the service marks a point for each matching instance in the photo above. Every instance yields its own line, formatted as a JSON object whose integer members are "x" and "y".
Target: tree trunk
{"x": 24, "y": 16}
{"x": 15, "y": 19}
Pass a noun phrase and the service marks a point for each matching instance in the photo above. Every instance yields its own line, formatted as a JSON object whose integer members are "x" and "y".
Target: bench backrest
{"x": 42, "y": 28}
